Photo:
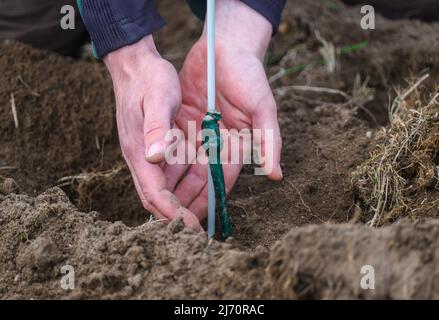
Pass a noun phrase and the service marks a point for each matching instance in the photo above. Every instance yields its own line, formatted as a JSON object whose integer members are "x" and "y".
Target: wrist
{"x": 242, "y": 27}
{"x": 131, "y": 54}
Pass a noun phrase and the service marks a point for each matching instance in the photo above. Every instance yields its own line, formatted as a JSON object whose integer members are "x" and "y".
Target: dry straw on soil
{"x": 405, "y": 160}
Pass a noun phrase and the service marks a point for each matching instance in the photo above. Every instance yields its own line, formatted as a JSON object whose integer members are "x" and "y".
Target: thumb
{"x": 267, "y": 137}
{"x": 157, "y": 122}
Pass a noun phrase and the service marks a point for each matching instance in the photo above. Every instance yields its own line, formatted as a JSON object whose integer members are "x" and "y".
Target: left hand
{"x": 244, "y": 97}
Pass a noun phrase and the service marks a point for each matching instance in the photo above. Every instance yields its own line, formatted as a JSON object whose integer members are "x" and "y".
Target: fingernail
{"x": 155, "y": 153}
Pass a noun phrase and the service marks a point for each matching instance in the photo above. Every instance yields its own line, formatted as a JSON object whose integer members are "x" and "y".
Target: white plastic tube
{"x": 210, "y": 20}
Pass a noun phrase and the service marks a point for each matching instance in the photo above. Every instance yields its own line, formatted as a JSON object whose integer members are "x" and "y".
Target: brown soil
{"x": 325, "y": 262}
{"x": 67, "y": 137}
{"x": 111, "y": 260}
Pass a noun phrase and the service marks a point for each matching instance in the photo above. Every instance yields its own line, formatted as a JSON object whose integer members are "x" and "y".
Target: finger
{"x": 159, "y": 114}
{"x": 188, "y": 111}
{"x": 159, "y": 201}
{"x": 166, "y": 201}
{"x": 149, "y": 179}
{"x": 199, "y": 205}
{"x": 268, "y": 139}
{"x": 192, "y": 184}
{"x": 178, "y": 163}
{"x": 173, "y": 174}
{"x": 195, "y": 180}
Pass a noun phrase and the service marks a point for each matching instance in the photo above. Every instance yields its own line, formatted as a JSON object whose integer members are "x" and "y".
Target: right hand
{"x": 148, "y": 97}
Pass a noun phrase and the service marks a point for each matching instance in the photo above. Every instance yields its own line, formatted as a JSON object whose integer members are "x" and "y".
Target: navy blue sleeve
{"x": 270, "y": 9}
{"x": 113, "y": 24}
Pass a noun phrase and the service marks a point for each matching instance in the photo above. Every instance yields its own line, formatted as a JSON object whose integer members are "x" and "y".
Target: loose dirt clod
{"x": 8, "y": 185}
{"x": 332, "y": 261}
{"x": 176, "y": 226}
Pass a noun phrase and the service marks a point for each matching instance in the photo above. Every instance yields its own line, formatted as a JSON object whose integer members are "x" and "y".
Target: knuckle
{"x": 153, "y": 126}
{"x": 197, "y": 177}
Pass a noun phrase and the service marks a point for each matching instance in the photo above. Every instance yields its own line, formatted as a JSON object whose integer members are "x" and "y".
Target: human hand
{"x": 148, "y": 96}
{"x": 244, "y": 96}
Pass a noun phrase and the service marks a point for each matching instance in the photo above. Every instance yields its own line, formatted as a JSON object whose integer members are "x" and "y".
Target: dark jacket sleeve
{"x": 113, "y": 24}
{"x": 270, "y": 9}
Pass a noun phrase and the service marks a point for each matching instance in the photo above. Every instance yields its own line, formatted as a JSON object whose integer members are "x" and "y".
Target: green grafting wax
{"x": 210, "y": 123}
